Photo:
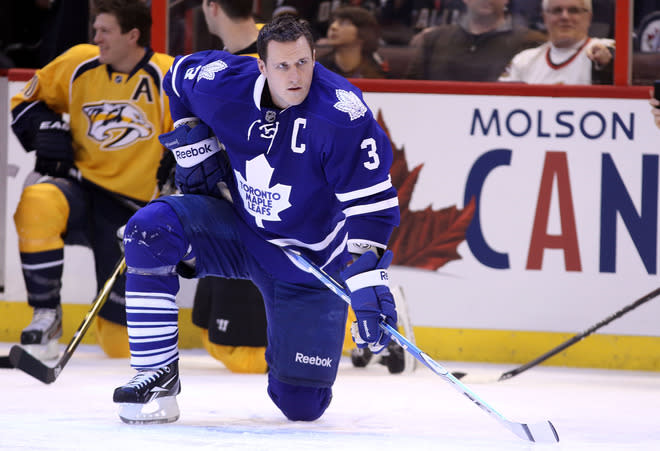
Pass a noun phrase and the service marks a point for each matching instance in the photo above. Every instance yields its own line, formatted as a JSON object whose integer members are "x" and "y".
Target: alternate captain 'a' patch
{"x": 350, "y": 103}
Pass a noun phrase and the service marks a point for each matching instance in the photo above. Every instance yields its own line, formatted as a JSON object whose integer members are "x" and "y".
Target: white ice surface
{"x": 371, "y": 410}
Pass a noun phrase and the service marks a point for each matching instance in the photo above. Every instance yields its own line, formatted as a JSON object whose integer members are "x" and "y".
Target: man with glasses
{"x": 570, "y": 56}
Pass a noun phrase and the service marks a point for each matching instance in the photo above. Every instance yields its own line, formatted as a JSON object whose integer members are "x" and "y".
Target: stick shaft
{"x": 539, "y": 432}
{"x": 571, "y": 341}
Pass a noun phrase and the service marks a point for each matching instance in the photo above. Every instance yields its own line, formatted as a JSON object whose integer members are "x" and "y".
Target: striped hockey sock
{"x": 152, "y": 320}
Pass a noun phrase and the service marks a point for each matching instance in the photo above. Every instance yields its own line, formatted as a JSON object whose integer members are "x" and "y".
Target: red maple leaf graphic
{"x": 426, "y": 239}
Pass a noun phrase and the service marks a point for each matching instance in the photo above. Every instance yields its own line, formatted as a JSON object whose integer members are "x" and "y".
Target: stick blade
{"x": 5, "y": 362}
{"x": 29, "y": 364}
{"x": 543, "y": 432}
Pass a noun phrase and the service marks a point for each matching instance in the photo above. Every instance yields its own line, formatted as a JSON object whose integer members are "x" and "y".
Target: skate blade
{"x": 48, "y": 351}
{"x": 160, "y": 410}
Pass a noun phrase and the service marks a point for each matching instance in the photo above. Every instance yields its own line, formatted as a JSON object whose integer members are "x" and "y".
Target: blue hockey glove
{"x": 368, "y": 283}
{"x": 202, "y": 166}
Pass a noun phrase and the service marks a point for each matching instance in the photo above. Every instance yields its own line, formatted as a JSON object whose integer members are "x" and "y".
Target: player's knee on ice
{"x": 154, "y": 237}
{"x": 299, "y": 403}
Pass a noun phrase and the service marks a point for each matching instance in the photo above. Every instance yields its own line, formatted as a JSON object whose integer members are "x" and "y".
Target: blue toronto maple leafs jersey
{"x": 311, "y": 176}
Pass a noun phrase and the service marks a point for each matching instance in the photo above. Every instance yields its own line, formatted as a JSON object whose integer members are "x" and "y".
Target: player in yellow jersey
{"x": 94, "y": 169}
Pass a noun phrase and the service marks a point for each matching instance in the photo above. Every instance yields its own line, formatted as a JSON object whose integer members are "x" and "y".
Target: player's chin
{"x": 295, "y": 97}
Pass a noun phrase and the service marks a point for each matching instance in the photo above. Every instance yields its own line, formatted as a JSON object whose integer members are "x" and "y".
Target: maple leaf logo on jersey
{"x": 350, "y": 103}
{"x": 261, "y": 200}
{"x": 116, "y": 124}
{"x": 208, "y": 71}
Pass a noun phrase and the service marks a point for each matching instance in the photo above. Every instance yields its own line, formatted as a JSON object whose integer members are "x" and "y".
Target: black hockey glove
{"x": 40, "y": 128}
{"x": 54, "y": 150}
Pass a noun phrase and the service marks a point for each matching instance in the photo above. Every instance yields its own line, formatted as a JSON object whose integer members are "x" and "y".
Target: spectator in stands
{"x": 570, "y": 56}
{"x": 477, "y": 48}
{"x": 353, "y": 35}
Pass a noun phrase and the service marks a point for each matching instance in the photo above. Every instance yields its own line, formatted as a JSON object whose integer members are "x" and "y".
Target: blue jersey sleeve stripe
{"x": 365, "y": 192}
{"x": 370, "y": 208}
{"x": 174, "y": 75}
{"x": 281, "y": 242}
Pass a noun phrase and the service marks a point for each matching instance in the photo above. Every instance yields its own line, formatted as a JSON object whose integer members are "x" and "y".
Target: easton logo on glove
{"x": 54, "y": 125}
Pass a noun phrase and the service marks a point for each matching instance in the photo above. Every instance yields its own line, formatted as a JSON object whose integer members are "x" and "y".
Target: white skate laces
{"x": 150, "y": 396}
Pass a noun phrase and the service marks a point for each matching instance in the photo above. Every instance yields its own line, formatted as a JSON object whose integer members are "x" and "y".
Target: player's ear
{"x": 262, "y": 66}
{"x": 134, "y": 35}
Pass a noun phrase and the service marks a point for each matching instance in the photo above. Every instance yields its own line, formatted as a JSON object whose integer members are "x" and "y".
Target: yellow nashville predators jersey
{"x": 115, "y": 118}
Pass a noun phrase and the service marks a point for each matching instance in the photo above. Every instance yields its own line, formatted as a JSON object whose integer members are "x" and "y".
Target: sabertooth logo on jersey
{"x": 116, "y": 124}
{"x": 261, "y": 200}
{"x": 350, "y": 103}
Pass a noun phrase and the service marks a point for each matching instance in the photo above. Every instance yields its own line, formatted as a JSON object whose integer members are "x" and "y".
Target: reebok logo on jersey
{"x": 383, "y": 275}
{"x": 313, "y": 360}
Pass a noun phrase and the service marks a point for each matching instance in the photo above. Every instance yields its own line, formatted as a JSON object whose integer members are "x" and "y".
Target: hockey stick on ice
{"x": 539, "y": 432}
{"x": 26, "y": 362}
{"x": 573, "y": 340}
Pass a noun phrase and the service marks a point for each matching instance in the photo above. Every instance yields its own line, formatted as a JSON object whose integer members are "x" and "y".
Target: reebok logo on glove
{"x": 313, "y": 360}
{"x": 192, "y": 154}
{"x": 365, "y": 327}
{"x": 192, "y": 151}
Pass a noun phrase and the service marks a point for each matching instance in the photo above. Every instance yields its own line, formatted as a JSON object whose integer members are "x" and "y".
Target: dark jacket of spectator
{"x": 451, "y": 52}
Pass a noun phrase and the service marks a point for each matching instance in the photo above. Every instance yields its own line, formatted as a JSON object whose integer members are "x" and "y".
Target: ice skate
{"x": 40, "y": 337}
{"x": 360, "y": 357}
{"x": 393, "y": 358}
{"x": 150, "y": 397}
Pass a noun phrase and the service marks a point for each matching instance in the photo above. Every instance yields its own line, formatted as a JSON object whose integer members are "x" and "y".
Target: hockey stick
{"x": 538, "y": 432}
{"x": 573, "y": 340}
{"x": 26, "y": 362}
{"x": 4, "y": 362}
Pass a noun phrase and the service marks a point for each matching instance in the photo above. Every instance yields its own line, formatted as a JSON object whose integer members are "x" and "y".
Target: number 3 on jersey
{"x": 374, "y": 161}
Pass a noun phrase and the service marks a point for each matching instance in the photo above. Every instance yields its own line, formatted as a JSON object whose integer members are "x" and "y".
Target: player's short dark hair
{"x": 284, "y": 28}
{"x": 235, "y": 9}
{"x": 130, "y": 14}
{"x": 365, "y": 22}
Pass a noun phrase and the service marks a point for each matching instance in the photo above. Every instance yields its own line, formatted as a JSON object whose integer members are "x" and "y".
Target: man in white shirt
{"x": 570, "y": 56}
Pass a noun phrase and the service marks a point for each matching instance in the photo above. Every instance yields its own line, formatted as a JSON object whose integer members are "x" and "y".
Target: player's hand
{"x": 53, "y": 148}
{"x": 201, "y": 161}
{"x": 371, "y": 299}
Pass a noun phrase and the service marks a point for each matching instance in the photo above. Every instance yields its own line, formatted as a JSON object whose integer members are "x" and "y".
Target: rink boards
{"x": 563, "y": 233}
